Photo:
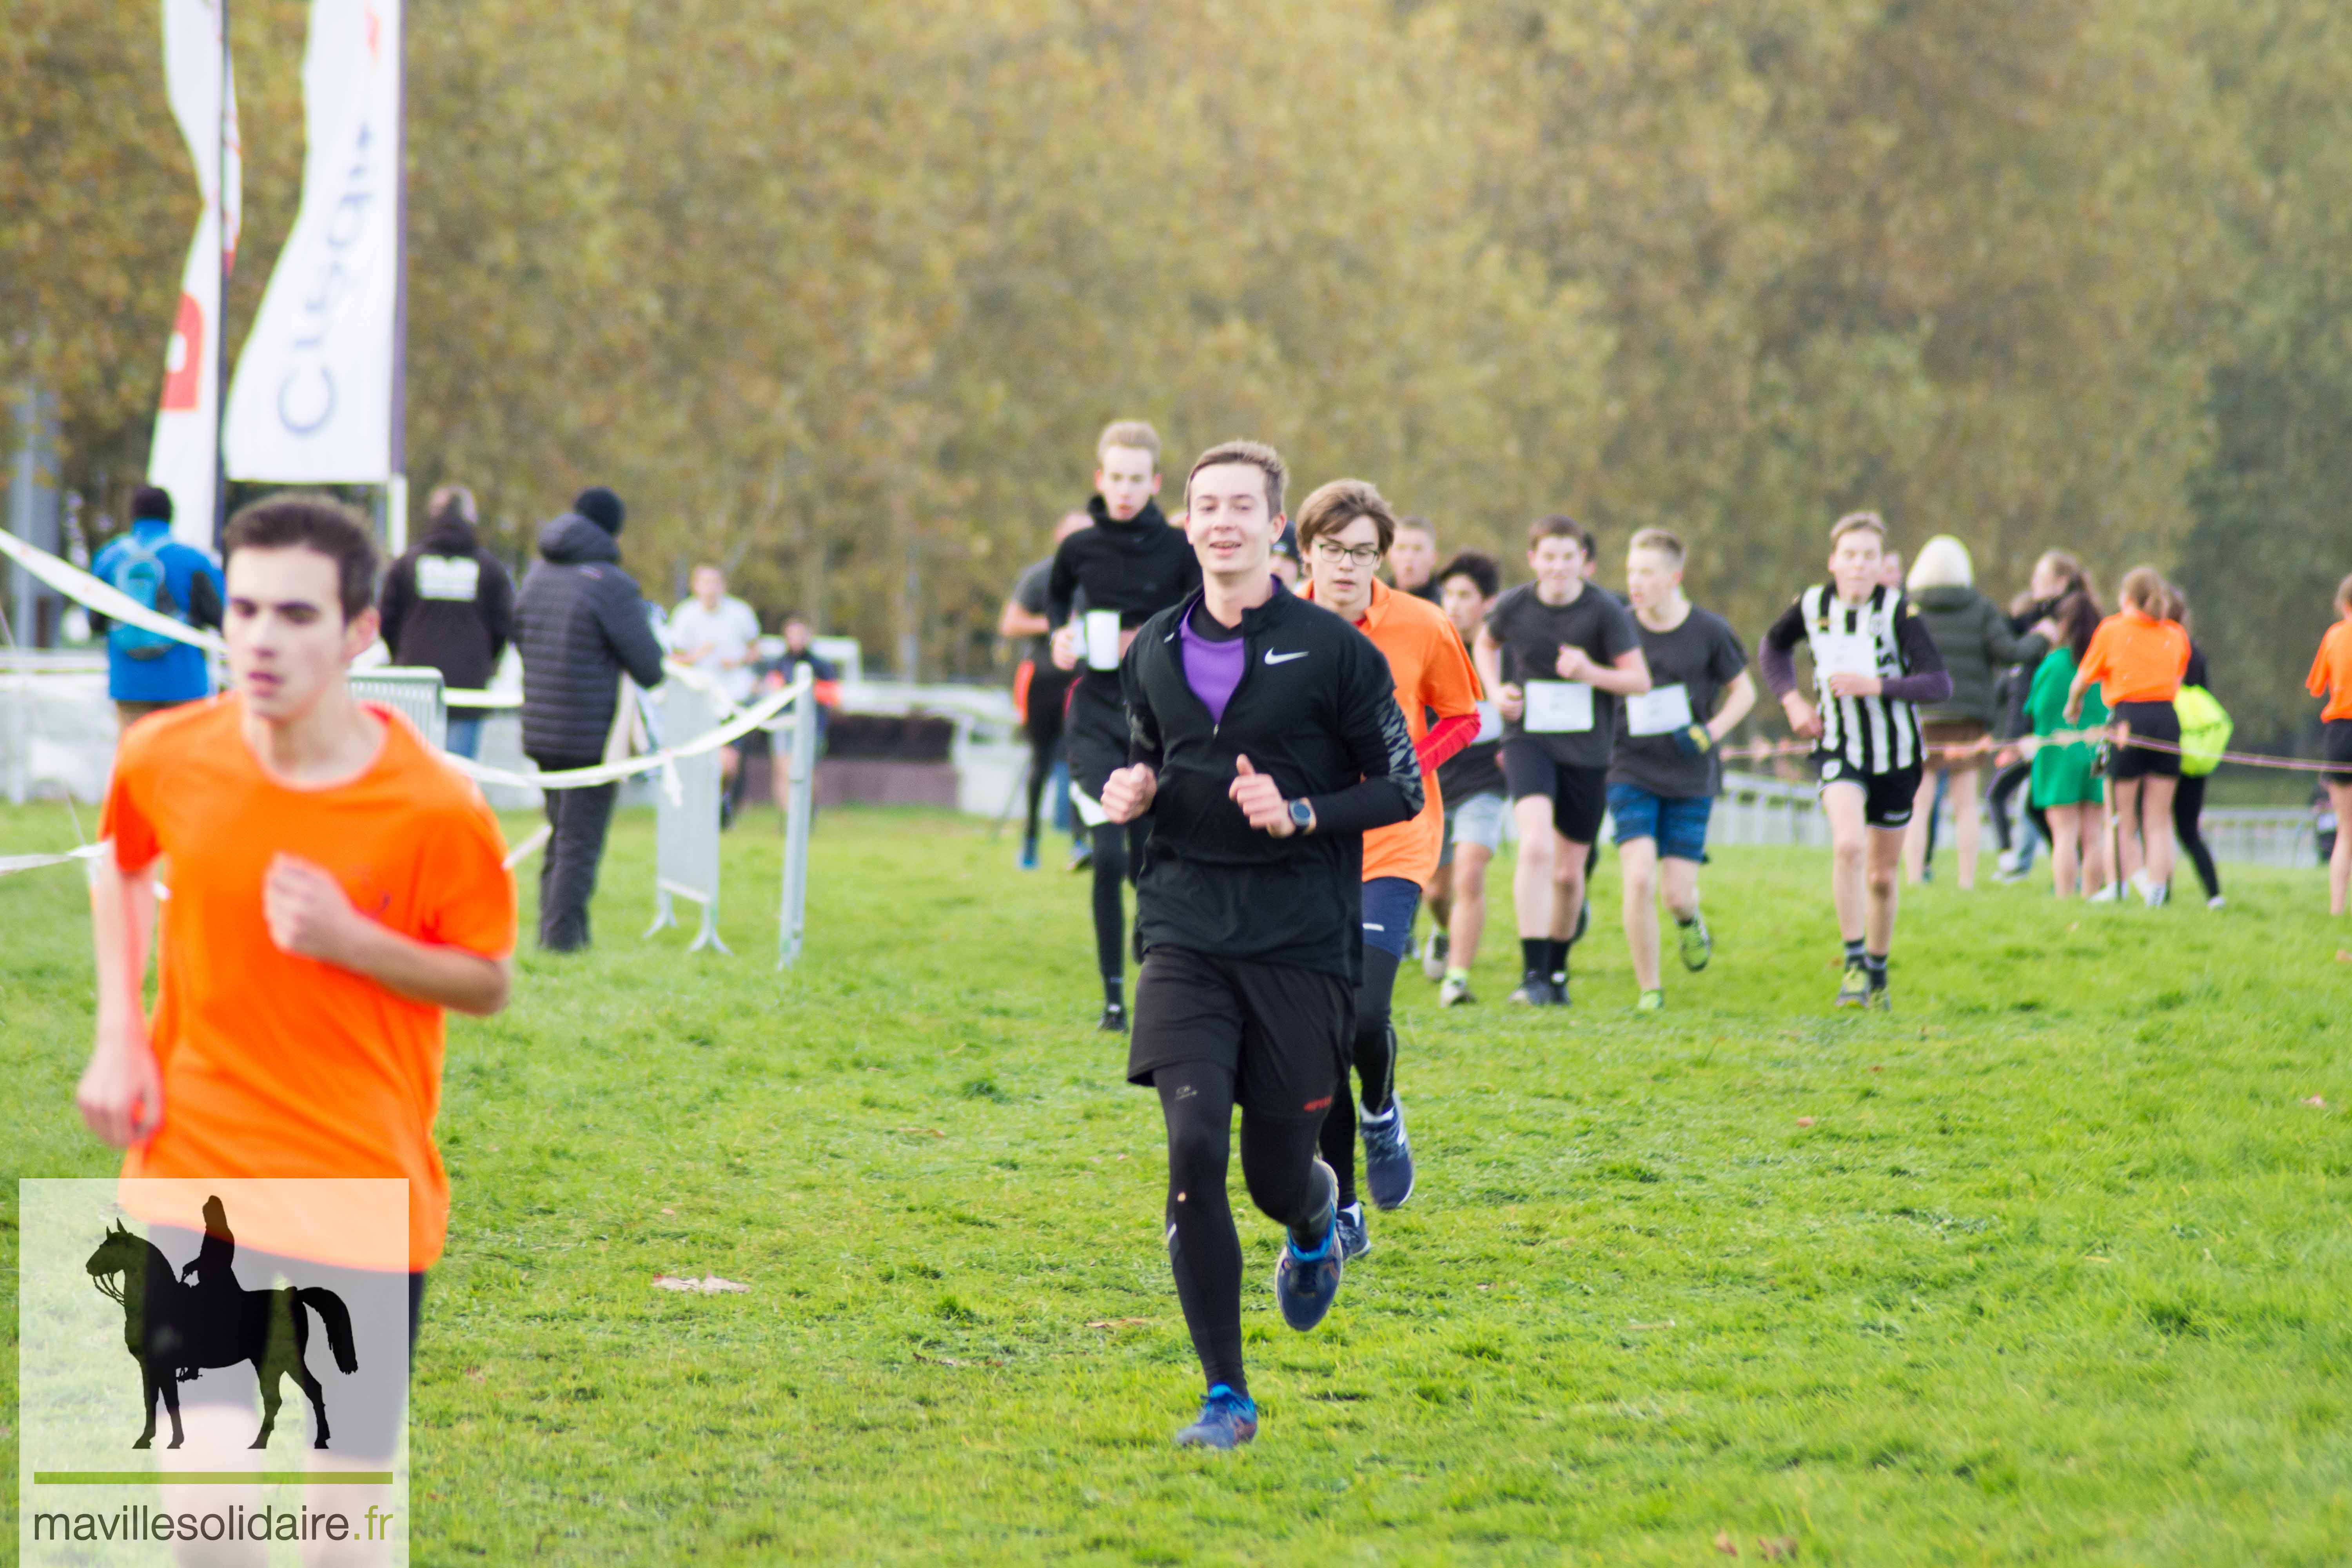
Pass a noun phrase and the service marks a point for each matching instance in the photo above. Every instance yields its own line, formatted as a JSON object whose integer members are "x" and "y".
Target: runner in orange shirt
{"x": 334, "y": 887}
{"x": 2136, "y": 659}
{"x": 2331, "y": 676}
{"x": 1344, "y": 530}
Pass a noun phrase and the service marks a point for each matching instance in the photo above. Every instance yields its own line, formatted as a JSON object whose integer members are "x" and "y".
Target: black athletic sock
{"x": 1876, "y": 963}
{"x": 1115, "y": 991}
{"x": 1534, "y": 954}
{"x": 1853, "y": 950}
{"x": 1555, "y": 957}
{"x": 1686, "y": 920}
{"x": 1204, "y": 1251}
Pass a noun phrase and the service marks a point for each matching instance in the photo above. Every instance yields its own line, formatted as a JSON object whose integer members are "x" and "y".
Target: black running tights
{"x": 1116, "y": 848}
{"x": 2005, "y": 784}
{"x": 1204, "y": 1251}
{"x": 2188, "y": 805}
{"x": 1374, "y": 1048}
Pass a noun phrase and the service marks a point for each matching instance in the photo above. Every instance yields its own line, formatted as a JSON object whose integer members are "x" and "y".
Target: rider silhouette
{"x": 217, "y": 1288}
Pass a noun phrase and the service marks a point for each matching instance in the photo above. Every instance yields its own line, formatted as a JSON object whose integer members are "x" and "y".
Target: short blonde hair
{"x": 1135, "y": 432}
{"x": 1943, "y": 563}
{"x": 2343, "y": 593}
{"x": 2144, "y": 590}
{"x": 1855, "y": 523}
{"x": 1334, "y": 506}
{"x": 1257, "y": 454}
{"x": 1659, "y": 540}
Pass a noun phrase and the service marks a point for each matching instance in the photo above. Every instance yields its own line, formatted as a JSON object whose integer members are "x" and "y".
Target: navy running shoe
{"x": 1388, "y": 1157}
{"x": 1113, "y": 1019}
{"x": 1227, "y": 1420}
{"x": 1305, "y": 1283}
{"x": 1354, "y": 1239}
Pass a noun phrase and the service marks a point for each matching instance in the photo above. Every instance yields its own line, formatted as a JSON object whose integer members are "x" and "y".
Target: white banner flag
{"x": 181, "y": 458}
{"x": 311, "y": 403}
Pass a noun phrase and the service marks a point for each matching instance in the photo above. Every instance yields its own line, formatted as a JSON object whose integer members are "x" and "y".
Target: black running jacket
{"x": 1317, "y": 710}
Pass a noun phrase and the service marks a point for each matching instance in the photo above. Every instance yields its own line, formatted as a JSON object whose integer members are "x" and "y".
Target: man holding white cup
{"x": 1125, "y": 569}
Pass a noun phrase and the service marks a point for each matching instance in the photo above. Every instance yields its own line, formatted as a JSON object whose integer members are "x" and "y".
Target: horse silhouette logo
{"x": 176, "y": 1329}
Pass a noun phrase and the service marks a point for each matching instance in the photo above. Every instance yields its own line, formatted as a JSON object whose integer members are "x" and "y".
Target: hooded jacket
{"x": 579, "y": 622}
{"x": 1974, "y": 637}
{"x": 448, "y": 604}
{"x": 1138, "y": 568}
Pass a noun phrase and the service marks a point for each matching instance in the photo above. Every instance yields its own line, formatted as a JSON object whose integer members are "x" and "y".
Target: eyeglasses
{"x": 1332, "y": 552}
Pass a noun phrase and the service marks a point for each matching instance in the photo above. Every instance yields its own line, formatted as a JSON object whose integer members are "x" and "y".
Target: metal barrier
{"x": 1758, "y": 810}
{"x": 686, "y": 815}
{"x": 413, "y": 693}
{"x": 800, "y": 809}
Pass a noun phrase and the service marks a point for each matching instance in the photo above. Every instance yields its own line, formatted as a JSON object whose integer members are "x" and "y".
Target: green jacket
{"x": 1972, "y": 633}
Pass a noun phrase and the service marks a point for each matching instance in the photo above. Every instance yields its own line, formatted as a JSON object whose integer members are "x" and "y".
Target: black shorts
{"x": 1095, "y": 740}
{"x": 1886, "y": 797}
{"x": 1283, "y": 1032}
{"x": 2155, "y": 722}
{"x": 1049, "y": 695}
{"x": 1579, "y": 796}
{"x": 2335, "y": 746}
{"x": 753, "y": 742}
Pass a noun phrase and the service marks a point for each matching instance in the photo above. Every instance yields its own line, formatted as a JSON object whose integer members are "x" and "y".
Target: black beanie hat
{"x": 601, "y": 506}
{"x": 151, "y": 501}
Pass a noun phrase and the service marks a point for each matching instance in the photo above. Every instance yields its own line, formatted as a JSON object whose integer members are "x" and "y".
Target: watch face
{"x": 1300, "y": 813}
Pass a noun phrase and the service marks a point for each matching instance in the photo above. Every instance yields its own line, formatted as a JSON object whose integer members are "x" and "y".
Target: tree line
{"x": 838, "y": 294}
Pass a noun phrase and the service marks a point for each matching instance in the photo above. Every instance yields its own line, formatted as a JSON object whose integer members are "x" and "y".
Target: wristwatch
{"x": 1302, "y": 816}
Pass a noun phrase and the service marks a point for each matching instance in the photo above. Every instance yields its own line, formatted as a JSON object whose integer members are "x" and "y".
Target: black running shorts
{"x": 2155, "y": 722}
{"x": 1283, "y": 1032}
{"x": 2336, "y": 747}
{"x": 1886, "y": 797}
{"x": 1579, "y": 796}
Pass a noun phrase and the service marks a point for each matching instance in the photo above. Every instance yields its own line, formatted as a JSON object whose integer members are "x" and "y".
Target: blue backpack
{"x": 140, "y": 573}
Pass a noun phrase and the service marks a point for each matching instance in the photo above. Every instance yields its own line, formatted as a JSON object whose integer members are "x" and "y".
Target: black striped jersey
{"x": 1872, "y": 734}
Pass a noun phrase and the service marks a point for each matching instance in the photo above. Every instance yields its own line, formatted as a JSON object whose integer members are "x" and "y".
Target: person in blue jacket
{"x": 146, "y": 670}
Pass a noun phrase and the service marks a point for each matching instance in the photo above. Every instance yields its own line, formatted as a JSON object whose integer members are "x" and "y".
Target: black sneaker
{"x": 1081, "y": 856}
{"x": 1114, "y": 1018}
{"x": 1535, "y": 990}
{"x": 1559, "y": 987}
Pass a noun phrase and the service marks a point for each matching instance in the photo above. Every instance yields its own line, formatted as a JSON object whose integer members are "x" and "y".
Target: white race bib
{"x": 1559, "y": 708}
{"x": 1102, "y": 639}
{"x": 448, "y": 577}
{"x": 1660, "y": 710}
{"x": 1844, "y": 653}
{"x": 1490, "y": 724}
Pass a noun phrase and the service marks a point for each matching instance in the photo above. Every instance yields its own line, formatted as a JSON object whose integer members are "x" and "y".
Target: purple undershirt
{"x": 1214, "y": 660}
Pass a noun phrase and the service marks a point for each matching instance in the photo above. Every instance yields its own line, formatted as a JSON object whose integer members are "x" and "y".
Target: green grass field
{"x": 2051, "y": 1266}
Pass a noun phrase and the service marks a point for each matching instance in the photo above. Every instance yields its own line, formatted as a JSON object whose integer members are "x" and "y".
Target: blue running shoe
{"x": 1388, "y": 1157}
{"x": 1227, "y": 1420}
{"x": 1306, "y": 1283}
{"x": 1354, "y": 1239}
{"x": 1029, "y": 854}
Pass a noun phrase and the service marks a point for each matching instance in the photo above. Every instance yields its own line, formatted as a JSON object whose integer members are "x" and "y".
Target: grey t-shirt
{"x": 1532, "y": 633}
{"x": 1702, "y": 655}
{"x": 1029, "y": 593}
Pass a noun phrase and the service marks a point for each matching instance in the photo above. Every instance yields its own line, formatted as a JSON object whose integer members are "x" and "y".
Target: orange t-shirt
{"x": 280, "y": 1065}
{"x": 1433, "y": 674}
{"x": 2136, "y": 659}
{"x": 2331, "y": 672}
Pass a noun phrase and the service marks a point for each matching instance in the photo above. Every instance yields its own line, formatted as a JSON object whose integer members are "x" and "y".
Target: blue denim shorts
{"x": 1678, "y": 824}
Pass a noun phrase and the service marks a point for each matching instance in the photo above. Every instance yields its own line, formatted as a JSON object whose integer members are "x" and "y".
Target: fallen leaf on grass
{"x": 1667, "y": 1324}
{"x": 1778, "y": 1547}
{"x": 938, "y": 1360}
{"x": 1118, "y": 1322}
{"x": 2343, "y": 955}
{"x": 920, "y": 1131}
{"x": 475, "y": 1374}
{"x": 669, "y": 1210}
{"x": 1804, "y": 1122}
{"x": 708, "y": 1284}
{"x": 1877, "y": 1067}
{"x": 2315, "y": 1102}
{"x": 1724, "y": 1544}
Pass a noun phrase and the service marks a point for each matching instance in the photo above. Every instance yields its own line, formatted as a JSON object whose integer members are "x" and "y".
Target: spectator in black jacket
{"x": 580, "y": 624}
{"x": 448, "y": 604}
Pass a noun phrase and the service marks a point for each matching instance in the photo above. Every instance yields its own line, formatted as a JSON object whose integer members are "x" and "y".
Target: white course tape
{"x": 102, "y": 596}
{"x": 745, "y": 721}
{"x": 34, "y": 862}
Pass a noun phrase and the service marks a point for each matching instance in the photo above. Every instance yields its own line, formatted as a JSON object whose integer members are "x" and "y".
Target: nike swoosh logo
{"x": 1274, "y": 657}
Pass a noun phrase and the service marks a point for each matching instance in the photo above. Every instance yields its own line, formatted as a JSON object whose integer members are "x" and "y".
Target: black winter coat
{"x": 454, "y": 613}
{"x": 579, "y": 622}
{"x": 1974, "y": 637}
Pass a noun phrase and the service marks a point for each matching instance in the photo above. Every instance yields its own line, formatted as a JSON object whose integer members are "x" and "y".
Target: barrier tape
{"x": 745, "y": 721}
{"x": 97, "y": 593}
{"x": 9, "y": 863}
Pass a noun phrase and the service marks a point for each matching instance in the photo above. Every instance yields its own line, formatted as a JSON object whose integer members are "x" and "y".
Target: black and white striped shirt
{"x": 1870, "y": 735}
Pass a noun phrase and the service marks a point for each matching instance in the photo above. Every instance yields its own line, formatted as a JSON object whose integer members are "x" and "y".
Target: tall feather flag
{"x": 183, "y": 457}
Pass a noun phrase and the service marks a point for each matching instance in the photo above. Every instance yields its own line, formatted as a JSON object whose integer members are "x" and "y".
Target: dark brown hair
{"x": 1555, "y": 525}
{"x": 308, "y": 520}
{"x": 2077, "y": 617}
{"x": 1477, "y": 565}
{"x": 1334, "y": 506}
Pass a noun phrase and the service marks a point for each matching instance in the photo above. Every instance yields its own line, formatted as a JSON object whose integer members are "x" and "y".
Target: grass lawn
{"x": 2051, "y": 1266}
